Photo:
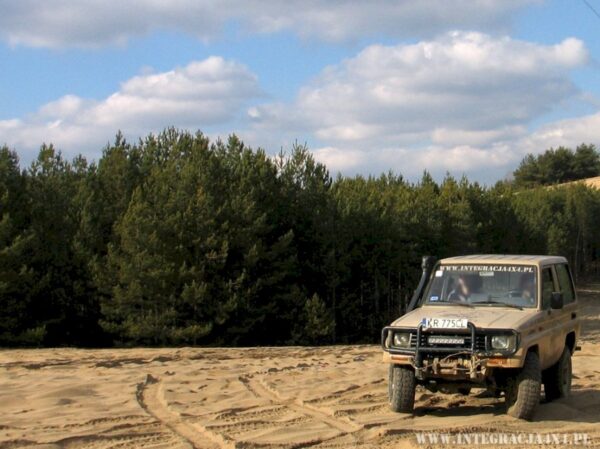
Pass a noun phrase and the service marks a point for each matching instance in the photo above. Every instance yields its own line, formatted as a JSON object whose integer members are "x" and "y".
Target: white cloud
{"x": 449, "y": 136}
{"x": 488, "y": 163}
{"x": 461, "y": 101}
{"x": 569, "y": 133}
{"x": 197, "y": 96}
{"x": 65, "y": 23}
{"x": 341, "y": 159}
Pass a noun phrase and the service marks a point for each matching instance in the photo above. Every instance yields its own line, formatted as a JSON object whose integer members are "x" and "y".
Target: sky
{"x": 466, "y": 87}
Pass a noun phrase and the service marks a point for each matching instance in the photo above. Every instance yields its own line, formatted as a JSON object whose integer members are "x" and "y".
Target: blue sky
{"x": 466, "y": 87}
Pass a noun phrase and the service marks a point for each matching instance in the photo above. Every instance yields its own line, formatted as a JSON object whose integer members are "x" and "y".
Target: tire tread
{"x": 553, "y": 378}
{"x": 524, "y": 395}
{"x": 402, "y": 388}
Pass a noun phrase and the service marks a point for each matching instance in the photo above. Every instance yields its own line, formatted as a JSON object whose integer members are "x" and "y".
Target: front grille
{"x": 480, "y": 343}
{"x": 444, "y": 340}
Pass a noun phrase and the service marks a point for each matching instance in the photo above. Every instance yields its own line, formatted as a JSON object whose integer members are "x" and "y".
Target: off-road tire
{"x": 557, "y": 378}
{"x": 401, "y": 388}
{"x": 523, "y": 391}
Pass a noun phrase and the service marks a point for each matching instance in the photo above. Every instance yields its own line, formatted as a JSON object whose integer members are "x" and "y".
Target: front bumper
{"x": 471, "y": 360}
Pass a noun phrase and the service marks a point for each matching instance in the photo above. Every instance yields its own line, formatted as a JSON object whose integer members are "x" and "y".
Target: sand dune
{"x": 328, "y": 397}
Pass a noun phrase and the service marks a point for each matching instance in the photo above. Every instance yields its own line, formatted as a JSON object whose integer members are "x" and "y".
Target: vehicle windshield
{"x": 483, "y": 285}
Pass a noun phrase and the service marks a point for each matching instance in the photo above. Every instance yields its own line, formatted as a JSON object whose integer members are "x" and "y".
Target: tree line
{"x": 559, "y": 165}
{"x": 178, "y": 240}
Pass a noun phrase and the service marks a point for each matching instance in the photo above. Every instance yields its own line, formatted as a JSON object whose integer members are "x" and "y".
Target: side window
{"x": 565, "y": 282}
{"x": 547, "y": 287}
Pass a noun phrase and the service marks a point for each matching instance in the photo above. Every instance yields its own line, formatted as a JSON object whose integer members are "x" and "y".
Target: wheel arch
{"x": 570, "y": 340}
{"x": 533, "y": 348}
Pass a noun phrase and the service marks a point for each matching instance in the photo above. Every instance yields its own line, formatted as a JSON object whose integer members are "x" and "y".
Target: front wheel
{"x": 557, "y": 378}
{"x": 523, "y": 391}
{"x": 401, "y": 390}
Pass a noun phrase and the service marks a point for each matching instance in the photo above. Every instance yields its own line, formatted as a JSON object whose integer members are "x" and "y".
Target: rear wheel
{"x": 557, "y": 378}
{"x": 464, "y": 391}
{"x": 523, "y": 391}
{"x": 401, "y": 388}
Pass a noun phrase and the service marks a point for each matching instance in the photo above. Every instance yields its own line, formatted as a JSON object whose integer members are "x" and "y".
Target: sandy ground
{"x": 330, "y": 397}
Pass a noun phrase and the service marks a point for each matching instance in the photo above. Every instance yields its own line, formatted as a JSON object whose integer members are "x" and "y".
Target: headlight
{"x": 504, "y": 342}
{"x": 402, "y": 339}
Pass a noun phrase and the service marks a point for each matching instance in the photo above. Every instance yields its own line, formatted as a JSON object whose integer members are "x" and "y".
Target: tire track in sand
{"x": 150, "y": 396}
{"x": 259, "y": 389}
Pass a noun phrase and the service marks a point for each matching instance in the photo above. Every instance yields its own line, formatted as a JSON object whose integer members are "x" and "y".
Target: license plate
{"x": 444, "y": 323}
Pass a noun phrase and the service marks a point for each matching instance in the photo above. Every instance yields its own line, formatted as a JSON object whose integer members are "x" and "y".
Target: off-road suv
{"x": 501, "y": 322}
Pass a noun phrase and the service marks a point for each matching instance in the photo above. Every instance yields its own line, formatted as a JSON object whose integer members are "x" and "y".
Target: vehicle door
{"x": 568, "y": 314}
{"x": 547, "y": 333}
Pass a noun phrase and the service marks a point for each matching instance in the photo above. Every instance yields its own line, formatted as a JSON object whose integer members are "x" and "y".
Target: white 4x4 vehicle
{"x": 501, "y": 322}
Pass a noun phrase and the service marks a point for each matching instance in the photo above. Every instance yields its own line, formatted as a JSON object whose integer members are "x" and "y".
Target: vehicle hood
{"x": 481, "y": 317}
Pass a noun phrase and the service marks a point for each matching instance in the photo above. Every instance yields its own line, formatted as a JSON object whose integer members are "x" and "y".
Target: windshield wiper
{"x": 492, "y": 302}
{"x": 463, "y": 304}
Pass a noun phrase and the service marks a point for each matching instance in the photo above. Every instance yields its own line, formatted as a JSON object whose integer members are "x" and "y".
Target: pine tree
{"x": 16, "y": 276}
{"x": 319, "y": 322}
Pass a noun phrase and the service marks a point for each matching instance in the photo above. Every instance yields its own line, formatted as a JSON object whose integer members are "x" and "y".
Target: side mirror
{"x": 556, "y": 301}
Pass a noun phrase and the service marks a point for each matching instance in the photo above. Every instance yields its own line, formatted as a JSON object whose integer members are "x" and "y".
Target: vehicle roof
{"x": 505, "y": 259}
